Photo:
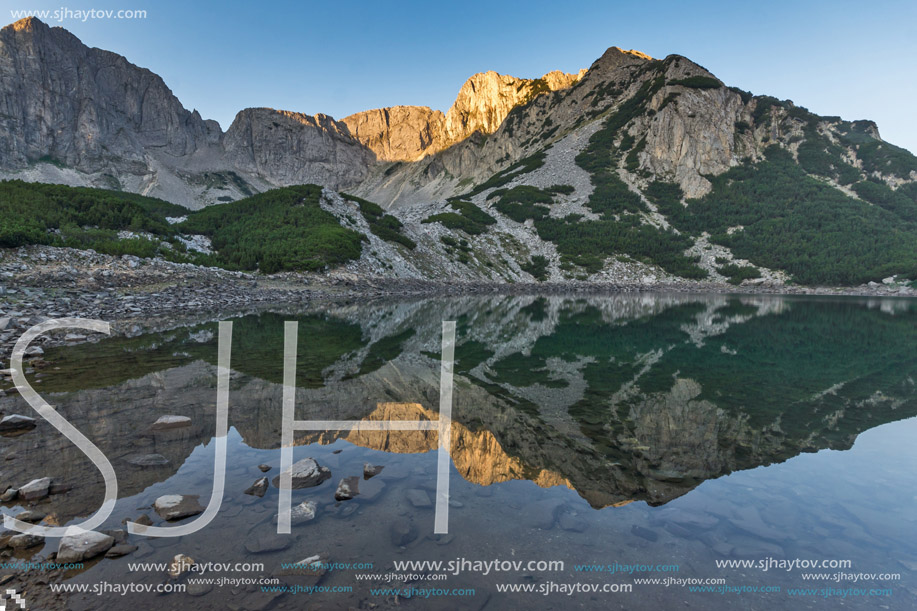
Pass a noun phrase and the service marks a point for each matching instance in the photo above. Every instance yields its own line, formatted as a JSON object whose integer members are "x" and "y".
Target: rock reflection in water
{"x": 611, "y": 399}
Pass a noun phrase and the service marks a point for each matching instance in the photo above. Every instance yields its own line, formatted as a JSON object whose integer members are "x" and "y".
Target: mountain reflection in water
{"x": 616, "y": 399}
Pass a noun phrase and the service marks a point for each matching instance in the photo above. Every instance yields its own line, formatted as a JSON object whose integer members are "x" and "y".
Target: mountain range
{"x": 636, "y": 168}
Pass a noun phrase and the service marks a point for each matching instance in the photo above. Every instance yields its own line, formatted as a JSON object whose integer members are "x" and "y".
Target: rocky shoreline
{"x": 142, "y": 295}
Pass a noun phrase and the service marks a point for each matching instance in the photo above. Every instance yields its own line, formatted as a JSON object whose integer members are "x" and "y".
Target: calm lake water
{"x": 651, "y": 430}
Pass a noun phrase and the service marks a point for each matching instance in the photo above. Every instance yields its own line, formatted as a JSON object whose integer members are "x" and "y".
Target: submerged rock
{"x": 419, "y": 498}
{"x": 86, "y": 545}
{"x": 305, "y": 474}
{"x": 644, "y": 533}
{"x": 265, "y": 468}
{"x": 748, "y": 518}
{"x": 692, "y": 520}
{"x": 267, "y": 542}
{"x": 148, "y": 460}
{"x": 302, "y": 513}
{"x": 402, "y": 532}
{"x": 371, "y": 490}
{"x": 122, "y": 549}
{"x": 177, "y": 506}
{"x": 347, "y": 489}
{"x": 568, "y": 521}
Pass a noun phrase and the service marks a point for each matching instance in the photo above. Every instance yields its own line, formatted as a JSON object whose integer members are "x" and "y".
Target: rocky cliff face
{"x": 65, "y": 103}
{"x": 289, "y": 148}
{"x": 398, "y": 133}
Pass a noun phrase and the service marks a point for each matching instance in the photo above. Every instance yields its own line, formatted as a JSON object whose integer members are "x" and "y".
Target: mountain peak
{"x": 28, "y": 24}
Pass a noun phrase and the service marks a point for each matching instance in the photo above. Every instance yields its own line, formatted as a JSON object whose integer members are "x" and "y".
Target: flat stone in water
{"x": 305, "y": 474}
{"x": 748, "y": 548}
{"x": 148, "y": 460}
{"x": 679, "y": 531}
{"x": 302, "y": 513}
{"x": 371, "y": 470}
{"x": 402, "y": 532}
{"x": 644, "y": 533}
{"x": 419, "y": 498}
{"x": 264, "y": 468}
{"x": 723, "y": 548}
{"x": 542, "y": 514}
{"x": 177, "y": 506}
{"x": 166, "y": 423}
{"x": 569, "y": 522}
{"x": 83, "y": 546}
{"x": 749, "y": 519}
{"x": 122, "y": 549}
{"x": 267, "y": 542}
{"x": 692, "y": 520}
{"x": 371, "y": 490}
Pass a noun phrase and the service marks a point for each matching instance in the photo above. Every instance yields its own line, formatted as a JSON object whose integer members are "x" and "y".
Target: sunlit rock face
{"x": 410, "y": 133}
{"x": 398, "y": 133}
{"x": 477, "y": 455}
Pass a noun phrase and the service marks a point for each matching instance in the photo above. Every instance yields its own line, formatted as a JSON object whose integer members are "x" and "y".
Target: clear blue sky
{"x": 853, "y": 59}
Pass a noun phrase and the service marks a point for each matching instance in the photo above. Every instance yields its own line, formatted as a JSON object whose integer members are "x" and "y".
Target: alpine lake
{"x": 631, "y": 437}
